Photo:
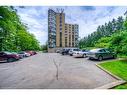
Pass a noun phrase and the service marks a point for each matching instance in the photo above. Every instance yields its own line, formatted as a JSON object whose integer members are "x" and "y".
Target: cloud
{"x": 88, "y": 18}
{"x": 36, "y": 21}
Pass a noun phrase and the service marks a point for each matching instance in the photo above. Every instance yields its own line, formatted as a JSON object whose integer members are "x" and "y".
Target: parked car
{"x": 81, "y": 53}
{"x": 30, "y": 52}
{"x": 24, "y": 54}
{"x": 65, "y": 51}
{"x": 8, "y": 57}
{"x": 58, "y": 51}
{"x": 20, "y": 56}
{"x": 34, "y": 52}
{"x": 101, "y": 53}
{"x": 71, "y": 51}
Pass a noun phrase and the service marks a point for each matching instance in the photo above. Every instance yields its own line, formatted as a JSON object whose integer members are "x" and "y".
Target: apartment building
{"x": 61, "y": 34}
{"x": 71, "y": 35}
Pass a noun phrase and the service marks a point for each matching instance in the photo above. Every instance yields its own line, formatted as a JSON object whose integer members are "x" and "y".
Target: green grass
{"x": 118, "y": 68}
{"x": 122, "y": 56}
{"x": 123, "y": 86}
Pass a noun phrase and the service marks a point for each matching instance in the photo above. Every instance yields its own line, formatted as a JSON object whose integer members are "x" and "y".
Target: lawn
{"x": 119, "y": 68}
{"x": 122, "y": 56}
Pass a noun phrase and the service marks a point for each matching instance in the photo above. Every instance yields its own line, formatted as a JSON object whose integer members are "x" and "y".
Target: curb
{"x": 113, "y": 84}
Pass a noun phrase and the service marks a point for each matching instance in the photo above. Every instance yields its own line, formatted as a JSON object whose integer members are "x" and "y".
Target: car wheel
{"x": 84, "y": 55}
{"x": 10, "y": 59}
{"x": 100, "y": 58}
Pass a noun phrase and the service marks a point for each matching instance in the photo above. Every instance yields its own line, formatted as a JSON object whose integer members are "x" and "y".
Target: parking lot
{"x": 52, "y": 70}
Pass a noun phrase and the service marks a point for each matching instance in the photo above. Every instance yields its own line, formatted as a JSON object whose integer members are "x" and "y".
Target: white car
{"x": 27, "y": 54}
{"x": 82, "y": 53}
{"x": 71, "y": 51}
{"x": 24, "y": 54}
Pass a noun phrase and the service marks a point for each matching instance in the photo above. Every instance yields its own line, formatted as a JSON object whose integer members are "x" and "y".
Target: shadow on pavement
{"x": 9, "y": 62}
{"x": 109, "y": 59}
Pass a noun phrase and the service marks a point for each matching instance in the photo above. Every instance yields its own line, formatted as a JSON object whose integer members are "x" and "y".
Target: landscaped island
{"x": 119, "y": 68}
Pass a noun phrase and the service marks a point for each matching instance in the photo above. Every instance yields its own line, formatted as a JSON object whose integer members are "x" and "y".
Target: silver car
{"x": 81, "y": 53}
{"x": 71, "y": 51}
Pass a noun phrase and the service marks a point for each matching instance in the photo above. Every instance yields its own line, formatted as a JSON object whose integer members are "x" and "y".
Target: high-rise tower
{"x": 60, "y": 34}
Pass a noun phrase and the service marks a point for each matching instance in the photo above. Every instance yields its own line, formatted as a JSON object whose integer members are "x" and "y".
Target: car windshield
{"x": 94, "y": 50}
{"x": 76, "y": 50}
{"x": 14, "y": 52}
{"x": 84, "y": 50}
{"x": 21, "y": 52}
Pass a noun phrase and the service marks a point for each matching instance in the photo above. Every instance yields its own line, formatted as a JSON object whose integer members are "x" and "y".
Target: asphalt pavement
{"x": 52, "y": 71}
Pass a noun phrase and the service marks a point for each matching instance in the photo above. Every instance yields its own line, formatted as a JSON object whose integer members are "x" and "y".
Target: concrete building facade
{"x": 61, "y": 34}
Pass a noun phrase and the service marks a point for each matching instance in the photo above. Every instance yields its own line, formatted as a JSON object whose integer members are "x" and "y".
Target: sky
{"x": 87, "y": 17}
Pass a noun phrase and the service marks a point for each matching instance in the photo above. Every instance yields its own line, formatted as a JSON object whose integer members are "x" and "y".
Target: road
{"x": 52, "y": 71}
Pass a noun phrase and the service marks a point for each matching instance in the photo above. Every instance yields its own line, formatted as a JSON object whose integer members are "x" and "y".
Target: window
{"x": 60, "y": 39}
{"x": 69, "y": 36}
{"x": 72, "y": 27}
{"x": 60, "y": 16}
{"x": 69, "y": 44}
{"x": 106, "y": 50}
{"x": 65, "y": 27}
{"x": 72, "y": 37}
{"x": 76, "y": 50}
{"x": 65, "y": 41}
{"x": 72, "y": 44}
{"x": 60, "y": 28}
{"x": 60, "y": 25}
{"x": 102, "y": 50}
{"x": 94, "y": 50}
{"x": 60, "y": 21}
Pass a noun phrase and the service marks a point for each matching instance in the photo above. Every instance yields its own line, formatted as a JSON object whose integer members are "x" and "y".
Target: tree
{"x": 103, "y": 42}
{"x": 13, "y": 33}
{"x": 105, "y": 30}
{"x": 45, "y": 47}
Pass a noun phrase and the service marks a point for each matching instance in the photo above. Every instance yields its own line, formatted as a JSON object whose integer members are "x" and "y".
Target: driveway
{"x": 52, "y": 70}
